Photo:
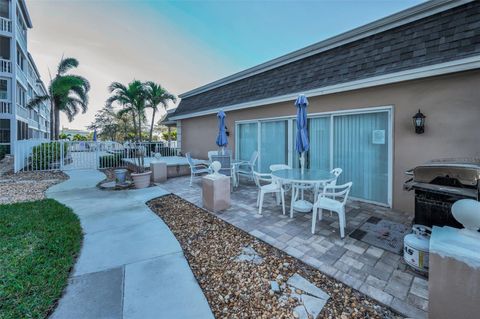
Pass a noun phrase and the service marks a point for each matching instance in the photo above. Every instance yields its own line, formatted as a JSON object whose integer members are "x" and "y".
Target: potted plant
{"x": 141, "y": 177}
{"x": 133, "y": 98}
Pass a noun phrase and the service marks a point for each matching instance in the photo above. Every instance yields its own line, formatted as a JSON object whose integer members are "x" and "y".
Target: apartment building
{"x": 19, "y": 79}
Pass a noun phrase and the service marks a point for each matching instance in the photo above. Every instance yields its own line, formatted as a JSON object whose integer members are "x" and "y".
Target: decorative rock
{"x": 313, "y": 305}
{"x": 303, "y": 284}
{"x": 300, "y": 312}
{"x": 250, "y": 255}
{"x": 274, "y": 286}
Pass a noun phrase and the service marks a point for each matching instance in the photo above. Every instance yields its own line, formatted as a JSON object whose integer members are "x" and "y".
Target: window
{"x": 4, "y": 48}
{"x": 4, "y": 9}
{"x": 4, "y": 89}
{"x": 22, "y": 130}
{"x": 20, "y": 59}
{"x": 21, "y": 95}
{"x": 4, "y": 131}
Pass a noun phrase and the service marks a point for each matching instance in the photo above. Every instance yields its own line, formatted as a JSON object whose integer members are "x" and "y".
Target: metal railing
{"x": 5, "y": 107}
{"x": 5, "y": 66}
{"x": 42, "y": 155}
{"x": 5, "y": 24}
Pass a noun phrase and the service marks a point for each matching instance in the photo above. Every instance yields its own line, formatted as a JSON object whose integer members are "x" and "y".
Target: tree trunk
{"x": 135, "y": 125}
{"x": 52, "y": 121}
{"x": 140, "y": 126}
{"x": 153, "y": 122}
{"x": 57, "y": 123}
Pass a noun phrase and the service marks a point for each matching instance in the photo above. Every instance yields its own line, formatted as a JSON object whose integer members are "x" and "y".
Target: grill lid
{"x": 464, "y": 171}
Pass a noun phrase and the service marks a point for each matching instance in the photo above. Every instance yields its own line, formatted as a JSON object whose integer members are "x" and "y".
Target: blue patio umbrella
{"x": 95, "y": 135}
{"x": 301, "y": 142}
{"x": 222, "y": 139}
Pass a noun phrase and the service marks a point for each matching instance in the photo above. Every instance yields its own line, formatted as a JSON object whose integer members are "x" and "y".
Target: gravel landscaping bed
{"x": 27, "y": 186}
{"x": 243, "y": 289}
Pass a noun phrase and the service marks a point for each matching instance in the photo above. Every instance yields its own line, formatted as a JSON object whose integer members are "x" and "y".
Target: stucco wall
{"x": 451, "y": 104}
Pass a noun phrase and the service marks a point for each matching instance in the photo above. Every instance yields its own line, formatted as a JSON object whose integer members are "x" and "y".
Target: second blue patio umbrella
{"x": 301, "y": 142}
{"x": 222, "y": 139}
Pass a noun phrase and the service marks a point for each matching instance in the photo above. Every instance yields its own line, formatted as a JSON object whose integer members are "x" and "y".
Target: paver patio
{"x": 130, "y": 265}
{"x": 376, "y": 272}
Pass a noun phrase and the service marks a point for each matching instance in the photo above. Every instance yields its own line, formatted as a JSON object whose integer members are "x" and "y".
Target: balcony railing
{"x": 5, "y": 66}
{"x": 23, "y": 112}
{"x": 5, "y": 108}
{"x": 5, "y": 24}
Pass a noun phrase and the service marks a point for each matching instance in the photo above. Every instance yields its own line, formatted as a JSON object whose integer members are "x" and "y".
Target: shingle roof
{"x": 450, "y": 35}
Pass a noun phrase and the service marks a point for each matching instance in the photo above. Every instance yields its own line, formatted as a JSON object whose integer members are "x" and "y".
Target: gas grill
{"x": 440, "y": 183}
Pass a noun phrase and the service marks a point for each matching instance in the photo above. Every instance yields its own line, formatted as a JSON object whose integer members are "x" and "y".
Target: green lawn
{"x": 39, "y": 242}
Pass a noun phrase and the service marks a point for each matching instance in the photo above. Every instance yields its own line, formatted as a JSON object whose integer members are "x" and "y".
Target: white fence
{"x": 43, "y": 155}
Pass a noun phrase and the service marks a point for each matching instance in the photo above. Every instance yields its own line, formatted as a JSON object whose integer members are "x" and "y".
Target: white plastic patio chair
{"x": 196, "y": 169}
{"x": 334, "y": 199}
{"x": 336, "y": 171}
{"x": 246, "y": 168}
{"x": 274, "y": 187}
{"x": 277, "y": 167}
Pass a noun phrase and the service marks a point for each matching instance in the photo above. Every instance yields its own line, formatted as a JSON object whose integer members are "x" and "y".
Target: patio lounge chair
{"x": 326, "y": 201}
{"x": 196, "y": 169}
{"x": 274, "y": 187}
{"x": 246, "y": 168}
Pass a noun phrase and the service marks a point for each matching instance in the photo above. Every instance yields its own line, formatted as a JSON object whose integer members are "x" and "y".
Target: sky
{"x": 182, "y": 44}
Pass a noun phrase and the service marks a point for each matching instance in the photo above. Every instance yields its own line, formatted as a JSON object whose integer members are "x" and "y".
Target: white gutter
{"x": 412, "y": 74}
{"x": 400, "y": 18}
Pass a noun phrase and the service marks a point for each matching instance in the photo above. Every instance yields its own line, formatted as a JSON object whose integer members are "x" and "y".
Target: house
{"x": 364, "y": 86}
{"x": 19, "y": 79}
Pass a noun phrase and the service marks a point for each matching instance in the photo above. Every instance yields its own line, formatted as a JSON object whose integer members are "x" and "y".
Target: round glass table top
{"x": 309, "y": 175}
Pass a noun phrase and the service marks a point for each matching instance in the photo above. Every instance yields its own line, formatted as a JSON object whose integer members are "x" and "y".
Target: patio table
{"x": 299, "y": 181}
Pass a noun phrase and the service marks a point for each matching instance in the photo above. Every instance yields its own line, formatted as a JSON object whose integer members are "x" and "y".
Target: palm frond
{"x": 66, "y": 64}
{"x": 37, "y": 101}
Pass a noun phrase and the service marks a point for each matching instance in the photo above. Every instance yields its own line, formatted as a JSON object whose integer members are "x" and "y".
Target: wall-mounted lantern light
{"x": 419, "y": 122}
{"x": 226, "y": 131}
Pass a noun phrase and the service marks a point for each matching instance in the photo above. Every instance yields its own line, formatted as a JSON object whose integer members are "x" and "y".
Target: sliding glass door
{"x": 356, "y": 142}
{"x": 247, "y": 141}
{"x": 360, "y": 148}
{"x": 273, "y": 144}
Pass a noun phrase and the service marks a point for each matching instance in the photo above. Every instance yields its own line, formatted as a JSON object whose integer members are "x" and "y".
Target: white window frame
{"x": 9, "y": 90}
{"x": 368, "y": 110}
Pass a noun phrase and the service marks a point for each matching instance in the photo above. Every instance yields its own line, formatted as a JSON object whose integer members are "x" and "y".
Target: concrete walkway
{"x": 130, "y": 265}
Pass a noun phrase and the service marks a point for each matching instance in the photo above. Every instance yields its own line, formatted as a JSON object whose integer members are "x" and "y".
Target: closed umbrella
{"x": 94, "y": 135}
{"x": 222, "y": 139}
{"x": 301, "y": 142}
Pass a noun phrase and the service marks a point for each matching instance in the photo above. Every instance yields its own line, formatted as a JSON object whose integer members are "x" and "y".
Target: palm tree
{"x": 67, "y": 93}
{"x": 132, "y": 99}
{"x": 157, "y": 95}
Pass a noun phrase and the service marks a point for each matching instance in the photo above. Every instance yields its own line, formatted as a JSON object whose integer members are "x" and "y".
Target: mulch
{"x": 242, "y": 289}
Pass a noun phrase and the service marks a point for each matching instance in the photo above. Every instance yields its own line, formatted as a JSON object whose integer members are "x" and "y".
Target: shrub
{"x": 111, "y": 161}
{"x": 4, "y": 150}
{"x": 46, "y": 155}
